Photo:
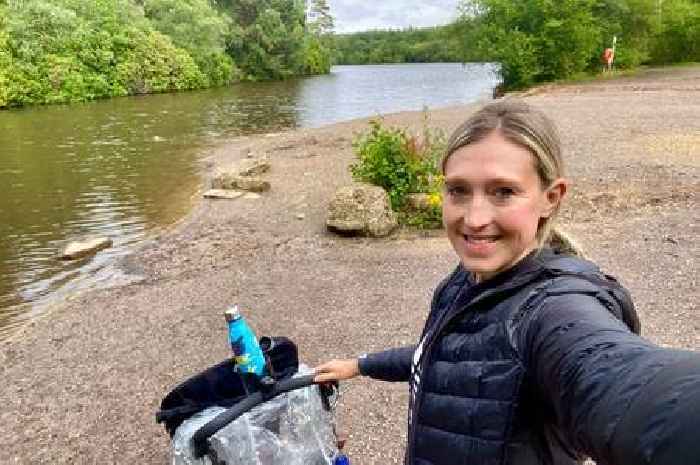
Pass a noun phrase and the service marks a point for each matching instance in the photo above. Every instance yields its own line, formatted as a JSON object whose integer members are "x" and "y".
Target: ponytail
{"x": 563, "y": 243}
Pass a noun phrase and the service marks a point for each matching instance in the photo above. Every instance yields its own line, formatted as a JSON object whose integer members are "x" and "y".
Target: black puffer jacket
{"x": 541, "y": 365}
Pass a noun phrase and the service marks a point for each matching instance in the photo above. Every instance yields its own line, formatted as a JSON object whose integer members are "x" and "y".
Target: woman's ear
{"x": 554, "y": 195}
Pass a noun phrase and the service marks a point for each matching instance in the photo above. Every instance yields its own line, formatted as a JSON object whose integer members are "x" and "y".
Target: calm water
{"x": 125, "y": 167}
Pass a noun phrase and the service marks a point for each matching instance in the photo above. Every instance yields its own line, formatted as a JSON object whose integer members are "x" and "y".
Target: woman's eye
{"x": 455, "y": 191}
{"x": 504, "y": 192}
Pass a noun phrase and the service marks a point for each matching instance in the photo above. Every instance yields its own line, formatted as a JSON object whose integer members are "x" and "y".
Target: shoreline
{"x": 84, "y": 388}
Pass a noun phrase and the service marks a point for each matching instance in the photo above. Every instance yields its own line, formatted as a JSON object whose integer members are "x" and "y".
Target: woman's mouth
{"x": 481, "y": 245}
{"x": 480, "y": 239}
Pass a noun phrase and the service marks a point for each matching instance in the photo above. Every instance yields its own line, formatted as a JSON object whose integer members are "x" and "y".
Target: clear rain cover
{"x": 291, "y": 429}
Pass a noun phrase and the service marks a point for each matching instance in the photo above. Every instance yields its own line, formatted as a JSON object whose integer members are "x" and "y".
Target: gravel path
{"x": 82, "y": 385}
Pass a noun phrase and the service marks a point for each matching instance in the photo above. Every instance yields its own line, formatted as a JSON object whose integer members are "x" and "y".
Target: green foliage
{"x": 5, "y": 60}
{"x": 678, "y": 38}
{"x": 402, "y": 164}
{"x": 536, "y": 40}
{"x": 542, "y": 40}
{"x": 69, "y": 51}
{"x": 322, "y": 23}
{"x": 317, "y": 56}
{"x": 55, "y": 51}
{"x": 435, "y": 44}
{"x": 195, "y": 26}
{"x": 633, "y": 22}
{"x": 268, "y": 36}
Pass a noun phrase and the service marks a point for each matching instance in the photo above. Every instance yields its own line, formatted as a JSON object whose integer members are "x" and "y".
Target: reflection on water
{"x": 123, "y": 167}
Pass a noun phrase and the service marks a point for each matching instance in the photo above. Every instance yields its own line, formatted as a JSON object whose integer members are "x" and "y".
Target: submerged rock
{"x": 361, "y": 209}
{"x": 84, "y": 248}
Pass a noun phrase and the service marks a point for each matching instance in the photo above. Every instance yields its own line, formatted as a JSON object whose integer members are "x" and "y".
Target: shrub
{"x": 402, "y": 164}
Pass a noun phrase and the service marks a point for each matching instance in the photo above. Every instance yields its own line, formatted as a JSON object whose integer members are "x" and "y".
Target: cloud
{"x": 361, "y": 15}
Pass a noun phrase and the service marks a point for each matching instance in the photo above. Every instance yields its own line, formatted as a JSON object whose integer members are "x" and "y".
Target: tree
{"x": 678, "y": 37}
{"x": 321, "y": 21}
{"x": 198, "y": 28}
{"x": 535, "y": 40}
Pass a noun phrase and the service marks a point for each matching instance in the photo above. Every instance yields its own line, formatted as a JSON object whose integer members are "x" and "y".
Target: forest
{"x": 441, "y": 44}
{"x": 541, "y": 40}
{"x": 55, "y": 51}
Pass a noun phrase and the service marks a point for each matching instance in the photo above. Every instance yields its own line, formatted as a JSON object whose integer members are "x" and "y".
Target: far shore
{"x": 82, "y": 385}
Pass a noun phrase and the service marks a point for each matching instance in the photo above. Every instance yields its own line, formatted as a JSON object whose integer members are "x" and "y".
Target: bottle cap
{"x": 341, "y": 459}
{"x": 233, "y": 313}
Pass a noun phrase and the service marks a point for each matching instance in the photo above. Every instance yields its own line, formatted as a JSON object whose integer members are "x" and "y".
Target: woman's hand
{"x": 337, "y": 370}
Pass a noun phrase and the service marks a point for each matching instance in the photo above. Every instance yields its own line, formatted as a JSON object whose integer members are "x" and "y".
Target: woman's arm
{"x": 389, "y": 365}
{"x": 616, "y": 396}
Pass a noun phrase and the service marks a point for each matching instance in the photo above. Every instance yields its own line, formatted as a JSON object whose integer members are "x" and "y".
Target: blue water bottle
{"x": 341, "y": 459}
{"x": 244, "y": 345}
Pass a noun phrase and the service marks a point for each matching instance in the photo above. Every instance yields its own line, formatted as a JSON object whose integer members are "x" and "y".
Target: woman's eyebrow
{"x": 497, "y": 180}
{"x": 504, "y": 180}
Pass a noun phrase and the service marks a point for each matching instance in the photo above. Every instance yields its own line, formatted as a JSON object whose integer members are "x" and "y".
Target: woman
{"x": 530, "y": 354}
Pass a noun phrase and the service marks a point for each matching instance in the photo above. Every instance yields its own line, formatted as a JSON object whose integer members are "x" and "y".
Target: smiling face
{"x": 493, "y": 204}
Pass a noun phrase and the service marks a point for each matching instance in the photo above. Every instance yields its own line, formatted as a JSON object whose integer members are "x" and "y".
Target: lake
{"x": 128, "y": 167}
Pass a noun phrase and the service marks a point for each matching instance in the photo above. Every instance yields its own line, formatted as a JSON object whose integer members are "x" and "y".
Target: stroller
{"x": 222, "y": 417}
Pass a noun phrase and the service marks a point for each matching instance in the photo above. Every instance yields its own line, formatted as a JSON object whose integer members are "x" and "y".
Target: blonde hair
{"x": 534, "y": 131}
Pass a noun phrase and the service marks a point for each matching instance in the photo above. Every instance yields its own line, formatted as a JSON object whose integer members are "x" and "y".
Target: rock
{"x": 84, "y": 248}
{"x": 251, "y": 196}
{"x": 235, "y": 181}
{"x": 252, "y": 184}
{"x": 419, "y": 201}
{"x": 253, "y": 166}
{"x": 361, "y": 209}
{"x": 301, "y": 216}
{"x": 222, "y": 194}
{"x": 243, "y": 175}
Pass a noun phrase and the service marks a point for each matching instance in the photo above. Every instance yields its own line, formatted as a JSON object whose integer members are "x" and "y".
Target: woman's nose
{"x": 477, "y": 213}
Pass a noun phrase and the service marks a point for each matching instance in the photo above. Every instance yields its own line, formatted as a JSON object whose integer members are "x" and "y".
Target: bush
{"x": 402, "y": 164}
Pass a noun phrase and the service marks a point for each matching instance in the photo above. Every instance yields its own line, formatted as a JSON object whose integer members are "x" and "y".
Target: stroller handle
{"x": 201, "y": 446}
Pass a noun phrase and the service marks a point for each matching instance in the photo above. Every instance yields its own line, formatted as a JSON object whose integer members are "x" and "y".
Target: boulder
{"x": 243, "y": 175}
{"x": 361, "y": 209}
{"x": 84, "y": 248}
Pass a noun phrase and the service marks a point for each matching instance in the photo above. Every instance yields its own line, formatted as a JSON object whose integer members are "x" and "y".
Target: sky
{"x": 362, "y": 15}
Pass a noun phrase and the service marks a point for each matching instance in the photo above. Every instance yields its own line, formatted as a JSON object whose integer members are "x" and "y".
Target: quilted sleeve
{"x": 614, "y": 395}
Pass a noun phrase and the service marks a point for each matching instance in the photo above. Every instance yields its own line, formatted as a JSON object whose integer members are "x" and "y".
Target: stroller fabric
{"x": 221, "y": 386}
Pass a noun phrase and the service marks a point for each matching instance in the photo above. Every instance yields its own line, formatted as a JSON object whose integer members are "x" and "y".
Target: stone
{"x": 86, "y": 247}
{"x": 252, "y": 184}
{"x": 222, "y": 194}
{"x": 253, "y": 166}
{"x": 301, "y": 216}
{"x": 243, "y": 175}
{"x": 361, "y": 209}
{"x": 235, "y": 181}
{"x": 419, "y": 201}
